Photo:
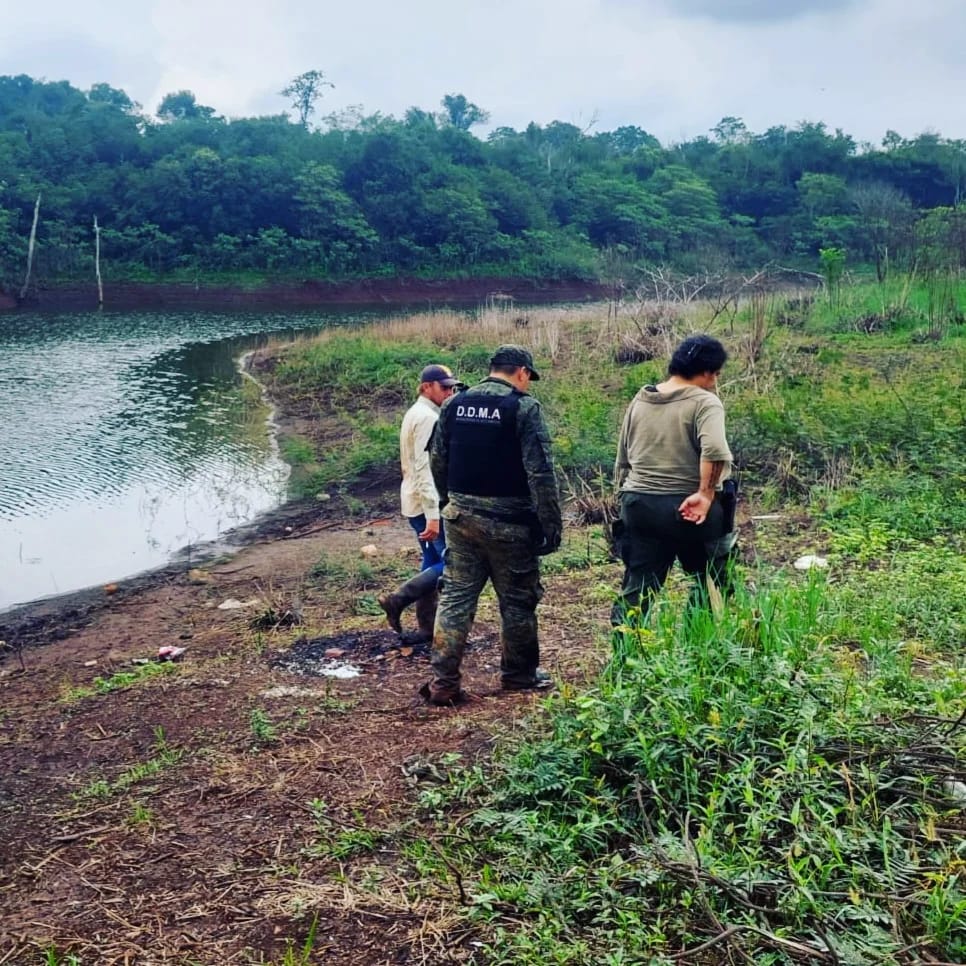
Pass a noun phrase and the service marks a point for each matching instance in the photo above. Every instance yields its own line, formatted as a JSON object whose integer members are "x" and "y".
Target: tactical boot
{"x": 411, "y": 591}
{"x": 538, "y": 681}
{"x": 443, "y": 696}
{"x": 425, "y": 619}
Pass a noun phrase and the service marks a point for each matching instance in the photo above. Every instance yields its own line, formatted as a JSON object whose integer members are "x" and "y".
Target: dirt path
{"x": 170, "y": 819}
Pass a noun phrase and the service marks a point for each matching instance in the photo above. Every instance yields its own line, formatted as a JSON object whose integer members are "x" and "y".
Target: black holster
{"x": 728, "y": 498}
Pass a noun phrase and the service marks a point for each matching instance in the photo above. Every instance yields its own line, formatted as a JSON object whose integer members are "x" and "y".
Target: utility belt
{"x": 524, "y": 518}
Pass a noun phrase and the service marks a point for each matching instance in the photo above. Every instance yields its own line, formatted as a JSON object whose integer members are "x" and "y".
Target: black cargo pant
{"x": 654, "y": 535}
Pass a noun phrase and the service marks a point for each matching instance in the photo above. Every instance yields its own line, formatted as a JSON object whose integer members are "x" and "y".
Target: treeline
{"x": 188, "y": 191}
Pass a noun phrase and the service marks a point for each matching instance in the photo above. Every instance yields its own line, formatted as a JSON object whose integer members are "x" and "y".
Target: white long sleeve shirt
{"x": 418, "y": 495}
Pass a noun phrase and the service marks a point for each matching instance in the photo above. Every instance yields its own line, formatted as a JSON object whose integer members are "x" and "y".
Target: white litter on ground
{"x": 343, "y": 671}
{"x": 810, "y": 561}
{"x": 233, "y": 604}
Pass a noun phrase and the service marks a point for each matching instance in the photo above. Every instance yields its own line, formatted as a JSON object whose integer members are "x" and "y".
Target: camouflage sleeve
{"x": 538, "y": 462}
{"x": 439, "y": 457}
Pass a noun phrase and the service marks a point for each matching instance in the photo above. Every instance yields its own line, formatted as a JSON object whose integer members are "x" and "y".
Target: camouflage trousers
{"x": 479, "y": 549}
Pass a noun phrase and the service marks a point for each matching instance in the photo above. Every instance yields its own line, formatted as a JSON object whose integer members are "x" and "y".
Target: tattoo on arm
{"x": 711, "y": 471}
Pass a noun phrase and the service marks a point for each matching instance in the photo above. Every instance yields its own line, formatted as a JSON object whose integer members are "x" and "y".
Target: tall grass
{"x": 762, "y": 785}
{"x": 800, "y": 413}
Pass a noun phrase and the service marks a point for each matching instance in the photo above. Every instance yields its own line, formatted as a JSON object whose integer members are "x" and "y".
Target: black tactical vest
{"x": 484, "y": 452}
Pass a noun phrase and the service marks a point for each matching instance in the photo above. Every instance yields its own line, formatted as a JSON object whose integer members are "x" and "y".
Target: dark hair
{"x": 697, "y": 354}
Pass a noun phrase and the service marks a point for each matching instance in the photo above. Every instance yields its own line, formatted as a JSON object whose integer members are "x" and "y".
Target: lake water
{"x": 124, "y": 439}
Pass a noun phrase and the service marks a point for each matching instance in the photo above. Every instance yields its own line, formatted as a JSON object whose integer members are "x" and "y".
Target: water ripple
{"x": 124, "y": 439}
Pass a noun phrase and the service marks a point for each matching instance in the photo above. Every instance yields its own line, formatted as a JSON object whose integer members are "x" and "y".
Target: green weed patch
{"x": 122, "y": 679}
{"x": 757, "y": 785}
{"x": 164, "y": 756}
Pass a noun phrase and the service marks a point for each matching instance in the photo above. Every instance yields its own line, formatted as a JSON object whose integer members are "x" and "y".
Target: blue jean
{"x": 432, "y": 550}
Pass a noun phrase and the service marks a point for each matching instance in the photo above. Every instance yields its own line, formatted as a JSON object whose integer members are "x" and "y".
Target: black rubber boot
{"x": 425, "y": 619}
{"x": 408, "y": 593}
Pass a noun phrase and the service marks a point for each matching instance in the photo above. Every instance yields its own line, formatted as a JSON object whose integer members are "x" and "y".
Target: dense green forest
{"x": 187, "y": 193}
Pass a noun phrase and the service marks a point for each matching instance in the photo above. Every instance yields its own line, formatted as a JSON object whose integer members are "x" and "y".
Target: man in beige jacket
{"x": 420, "y": 505}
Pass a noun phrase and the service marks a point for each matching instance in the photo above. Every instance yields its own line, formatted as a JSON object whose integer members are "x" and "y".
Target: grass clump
{"x": 264, "y": 732}
{"x": 54, "y": 958}
{"x": 122, "y": 679}
{"x": 300, "y": 955}
{"x": 163, "y": 756}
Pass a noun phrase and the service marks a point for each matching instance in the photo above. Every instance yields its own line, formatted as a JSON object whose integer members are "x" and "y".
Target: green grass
{"x": 122, "y": 679}
{"x": 164, "y": 756}
{"x": 141, "y": 815}
{"x": 263, "y": 729}
{"x": 925, "y": 306}
{"x": 339, "y": 840}
{"x": 301, "y": 954}
{"x": 53, "y": 958}
{"x": 757, "y": 782}
{"x": 374, "y": 444}
{"x": 357, "y": 370}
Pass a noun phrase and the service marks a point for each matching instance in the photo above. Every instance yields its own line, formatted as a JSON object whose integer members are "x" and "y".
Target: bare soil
{"x": 169, "y": 820}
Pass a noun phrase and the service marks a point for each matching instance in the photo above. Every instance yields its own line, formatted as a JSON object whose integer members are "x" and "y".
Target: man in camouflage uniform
{"x": 491, "y": 460}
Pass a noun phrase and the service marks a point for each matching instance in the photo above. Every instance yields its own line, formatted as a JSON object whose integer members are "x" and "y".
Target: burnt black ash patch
{"x": 347, "y": 653}
{"x": 338, "y": 655}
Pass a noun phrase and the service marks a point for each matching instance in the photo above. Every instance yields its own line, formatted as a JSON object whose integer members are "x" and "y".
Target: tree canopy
{"x": 189, "y": 190}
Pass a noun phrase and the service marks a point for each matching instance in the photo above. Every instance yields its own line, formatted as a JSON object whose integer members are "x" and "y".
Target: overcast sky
{"x": 672, "y": 67}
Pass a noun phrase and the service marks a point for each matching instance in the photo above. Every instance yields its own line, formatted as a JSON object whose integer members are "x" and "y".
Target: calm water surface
{"x": 123, "y": 439}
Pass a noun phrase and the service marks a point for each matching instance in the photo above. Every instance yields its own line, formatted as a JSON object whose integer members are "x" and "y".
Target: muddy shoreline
{"x": 56, "y": 617}
{"x": 303, "y": 294}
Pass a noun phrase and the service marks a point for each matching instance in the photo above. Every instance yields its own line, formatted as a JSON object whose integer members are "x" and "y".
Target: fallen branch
{"x": 74, "y": 836}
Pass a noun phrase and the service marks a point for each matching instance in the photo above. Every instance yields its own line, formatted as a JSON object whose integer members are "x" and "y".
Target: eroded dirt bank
{"x": 302, "y": 294}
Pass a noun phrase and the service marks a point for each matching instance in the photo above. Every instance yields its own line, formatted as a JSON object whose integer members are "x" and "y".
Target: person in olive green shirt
{"x": 494, "y": 472}
{"x": 672, "y": 462}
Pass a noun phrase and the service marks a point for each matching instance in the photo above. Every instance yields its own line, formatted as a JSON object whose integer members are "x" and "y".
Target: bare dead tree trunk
{"x": 30, "y": 248}
{"x": 97, "y": 263}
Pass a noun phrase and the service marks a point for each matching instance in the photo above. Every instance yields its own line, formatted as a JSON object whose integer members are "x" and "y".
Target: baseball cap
{"x": 437, "y": 373}
{"x": 514, "y": 355}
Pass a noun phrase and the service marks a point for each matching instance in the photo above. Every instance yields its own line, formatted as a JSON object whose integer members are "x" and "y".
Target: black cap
{"x": 514, "y": 355}
{"x": 441, "y": 374}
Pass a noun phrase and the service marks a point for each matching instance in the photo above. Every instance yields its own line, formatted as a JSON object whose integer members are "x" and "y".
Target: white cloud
{"x": 229, "y": 54}
{"x": 673, "y": 67}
